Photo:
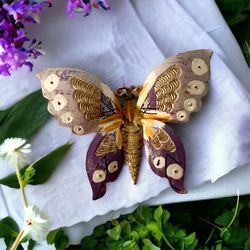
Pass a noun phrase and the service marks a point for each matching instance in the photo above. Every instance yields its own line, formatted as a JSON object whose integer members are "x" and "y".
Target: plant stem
{"x": 20, "y": 181}
{"x": 208, "y": 222}
{"x": 210, "y": 236}
{"x": 167, "y": 242}
{"x": 17, "y": 240}
{"x": 235, "y": 213}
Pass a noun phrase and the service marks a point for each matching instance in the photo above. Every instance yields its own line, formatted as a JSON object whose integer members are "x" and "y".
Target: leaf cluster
{"x": 194, "y": 225}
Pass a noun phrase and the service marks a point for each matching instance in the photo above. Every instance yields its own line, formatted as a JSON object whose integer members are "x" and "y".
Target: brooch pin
{"x": 130, "y": 117}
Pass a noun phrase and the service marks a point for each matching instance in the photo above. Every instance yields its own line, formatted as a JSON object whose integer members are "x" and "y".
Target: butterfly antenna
{"x": 123, "y": 83}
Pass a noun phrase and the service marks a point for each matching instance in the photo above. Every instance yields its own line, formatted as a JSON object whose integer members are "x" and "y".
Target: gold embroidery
{"x": 88, "y": 97}
{"x": 165, "y": 88}
{"x": 161, "y": 140}
{"x": 107, "y": 145}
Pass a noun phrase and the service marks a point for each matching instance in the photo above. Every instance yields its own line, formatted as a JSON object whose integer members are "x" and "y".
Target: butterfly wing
{"x": 77, "y": 99}
{"x": 165, "y": 153}
{"x": 82, "y": 102}
{"x": 104, "y": 161}
{"x": 175, "y": 88}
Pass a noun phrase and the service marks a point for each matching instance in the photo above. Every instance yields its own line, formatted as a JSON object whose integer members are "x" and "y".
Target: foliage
{"x": 237, "y": 16}
{"x": 20, "y": 120}
{"x": 58, "y": 238}
{"x": 40, "y": 171}
{"x": 8, "y": 230}
{"x": 221, "y": 225}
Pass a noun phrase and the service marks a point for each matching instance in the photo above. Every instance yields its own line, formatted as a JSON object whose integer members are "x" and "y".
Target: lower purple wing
{"x": 166, "y": 156}
{"x": 104, "y": 162}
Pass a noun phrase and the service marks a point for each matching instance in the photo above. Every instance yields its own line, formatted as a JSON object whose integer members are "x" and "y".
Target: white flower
{"x": 12, "y": 146}
{"x": 35, "y": 224}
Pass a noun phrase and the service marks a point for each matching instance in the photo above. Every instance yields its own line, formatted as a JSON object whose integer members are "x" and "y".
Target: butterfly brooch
{"x": 130, "y": 117}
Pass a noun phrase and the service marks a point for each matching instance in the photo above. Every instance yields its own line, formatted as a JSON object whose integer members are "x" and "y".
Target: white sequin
{"x": 67, "y": 117}
{"x": 196, "y": 87}
{"x": 51, "y": 82}
{"x": 113, "y": 166}
{"x": 175, "y": 171}
{"x": 199, "y": 66}
{"x": 59, "y": 102}
{"x": 159, "y": 162}
{"x": 190, "y": 104}
{"x": 99, "y": 176}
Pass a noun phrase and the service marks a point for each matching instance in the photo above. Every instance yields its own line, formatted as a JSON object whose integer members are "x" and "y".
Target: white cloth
{"x": 130, "y": 40}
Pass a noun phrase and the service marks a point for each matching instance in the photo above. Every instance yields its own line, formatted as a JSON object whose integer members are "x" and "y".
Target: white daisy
{"x": 14, "y": 146}
{"x": 35, "y": 224}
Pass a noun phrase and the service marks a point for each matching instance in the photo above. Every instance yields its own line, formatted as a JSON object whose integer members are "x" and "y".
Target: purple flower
{"x": 85, "y": 6}
{"x": 15, "y": 47}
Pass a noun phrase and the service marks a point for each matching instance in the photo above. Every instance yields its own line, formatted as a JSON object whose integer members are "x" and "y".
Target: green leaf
{"x": 8, "y": 228}
{"x": 43, "y": 168}
{"x": 28, "y": 174}
{"x": 218, "y": 246}
{"x": 112, "y": 244}
{"x": 238, "y": 235}
{"x": 225, "y": 234}
{"x": 59, "y": 238}
{"x": 51, "y": 237}
{"x": 180, "y": 234}
{"x": 9, "y": 231}
{"x": 99, "y": 231}
{"x": 224, "y": 219}
{"x": 125, "y": 227}
{"x": 131, "y": 218}
{"x": 165, "y": 217}
{"x": 154, "y": 228}
{"x": 157, "y": 215}
{"x": 144, "y": 213}
{"x": 130, "y": 245}
{"x": 148, "y": 245}
{"x": 190, "y": 239}
{"x": 247, "y": 245}
{"x": 24, "y": 118}
{"x": 142, "y": 231}
{"x": 31, "y": 245}
{"x": 169, "y": 230}
{"x": 233, "y": 20}
{"x": 134, "y": 236}
{"x": 88, "y": 242}
{"x": 115, "y": 232}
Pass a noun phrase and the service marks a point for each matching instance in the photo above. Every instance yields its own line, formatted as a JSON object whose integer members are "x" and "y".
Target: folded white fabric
{"x": 129, "y": 41}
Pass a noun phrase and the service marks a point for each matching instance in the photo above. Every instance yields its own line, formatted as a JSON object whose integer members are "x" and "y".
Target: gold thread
{"x": 107, "y": 145}
{"x": 88, "y": 97}
{"x": 132, "y": 144}
{"x": 161, "y": 140}
{"x": 165, "y": 88}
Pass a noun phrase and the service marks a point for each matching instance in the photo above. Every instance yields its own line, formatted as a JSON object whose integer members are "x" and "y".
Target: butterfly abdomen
{"x": 132, "y": 144}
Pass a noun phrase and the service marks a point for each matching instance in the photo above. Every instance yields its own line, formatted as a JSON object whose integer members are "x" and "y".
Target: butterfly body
{"x": 130, "y": 117}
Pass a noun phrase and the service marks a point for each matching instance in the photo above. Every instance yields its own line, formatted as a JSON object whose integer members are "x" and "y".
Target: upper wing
{"x": 77, "y": 99}
{"x": 175, "y": 88}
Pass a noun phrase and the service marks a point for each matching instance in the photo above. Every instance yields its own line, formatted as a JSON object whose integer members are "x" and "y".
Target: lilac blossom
{"x": 15, "y": 47}
{"x": 85, "y": 6}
